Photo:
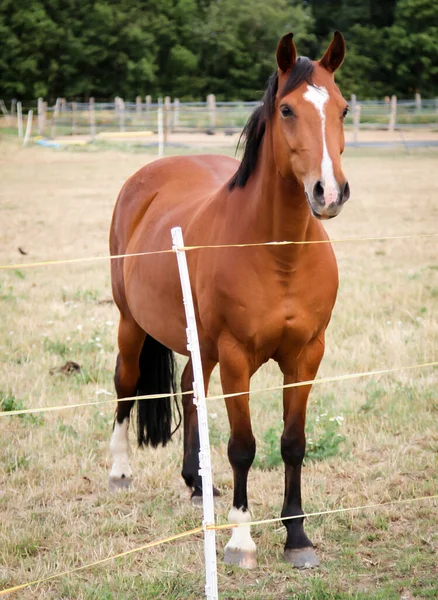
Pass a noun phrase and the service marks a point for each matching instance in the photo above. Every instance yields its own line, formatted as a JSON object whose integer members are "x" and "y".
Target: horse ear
{"x": 334, "y": 55}
{"x": 286, "y": 53}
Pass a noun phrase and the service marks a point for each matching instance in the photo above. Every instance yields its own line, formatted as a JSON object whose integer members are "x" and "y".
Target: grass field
{"x": 372, "y": 440}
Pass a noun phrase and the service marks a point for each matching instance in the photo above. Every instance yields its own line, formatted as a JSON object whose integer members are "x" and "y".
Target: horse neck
{"x": 280, "y": 208}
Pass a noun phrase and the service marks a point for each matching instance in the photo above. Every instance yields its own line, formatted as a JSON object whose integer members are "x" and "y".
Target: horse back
{"x": 178, "y": 180}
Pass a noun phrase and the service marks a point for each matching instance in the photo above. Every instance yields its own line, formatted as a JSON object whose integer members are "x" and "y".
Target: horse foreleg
{"x": 190, "y": 469}
{"x": 234, "y": 370}
{"x": 298, "y": 549}
{"x": 131, "y": 338}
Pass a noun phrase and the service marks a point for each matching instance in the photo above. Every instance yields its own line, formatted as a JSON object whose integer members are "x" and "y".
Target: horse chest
{"x": 277, "y": 317}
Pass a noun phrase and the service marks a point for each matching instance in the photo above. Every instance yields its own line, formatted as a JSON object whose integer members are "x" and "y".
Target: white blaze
{"x": 119, "y": 447}
{"x": 318, "y": 96}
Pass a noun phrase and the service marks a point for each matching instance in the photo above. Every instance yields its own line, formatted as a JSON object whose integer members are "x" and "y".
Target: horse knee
{"x": 293, "y": 448}
{"x": 241, "y": 452}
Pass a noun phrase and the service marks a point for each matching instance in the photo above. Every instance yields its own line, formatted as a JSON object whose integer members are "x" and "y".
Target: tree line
{"x": 189, "y": 48}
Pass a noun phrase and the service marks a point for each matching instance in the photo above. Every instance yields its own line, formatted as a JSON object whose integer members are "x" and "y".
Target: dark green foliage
{"x": 189, "y": 48}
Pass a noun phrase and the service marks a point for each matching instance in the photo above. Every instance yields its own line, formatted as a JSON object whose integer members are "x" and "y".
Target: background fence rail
{"x": 123, "y": 118}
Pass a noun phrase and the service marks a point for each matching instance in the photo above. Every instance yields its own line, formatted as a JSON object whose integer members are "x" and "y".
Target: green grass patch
{"x": 8, "y": 403}
{"x": 323, "y": 441}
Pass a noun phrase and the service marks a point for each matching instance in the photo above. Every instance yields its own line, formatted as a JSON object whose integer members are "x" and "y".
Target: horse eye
{"x": 286, "y": 111}
{"x": 345, "y": 113}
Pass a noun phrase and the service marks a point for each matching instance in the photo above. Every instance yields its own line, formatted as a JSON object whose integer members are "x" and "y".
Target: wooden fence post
{"x": 6, "y": 113}
{"x": 211, "y": 106}
{"x": 40, "y": 116}
{"x": 356, "y": 122}
{"x": 160, "y": 127}
{"x": 74, "y": 128}
{"x": 176, "y": 113}
{"x": 63, "y": 106}
{"x": 92, "y": 119}
{"x": 121, "y": 114}
{"x": 44, "y": 116}
{"x": 393, "y": 114}
{"x": 148, "y": 110}
{"x": 418, "y": 101}
{"x": 28, "y": 128}
{"x": 55, "y": 116}
{"x": 116, "y": 109}
{"x": 20, "y": 120}
{"x": 166, "y": 117}
{"x": 138, "y": 108}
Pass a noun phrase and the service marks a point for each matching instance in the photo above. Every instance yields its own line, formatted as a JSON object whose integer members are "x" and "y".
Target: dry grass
{"x": 55, "y": 511}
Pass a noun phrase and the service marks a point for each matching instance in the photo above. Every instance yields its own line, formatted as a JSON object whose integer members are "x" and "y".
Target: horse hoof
{"x": 196, "y": 501}
{"x": 119, "y": 483}
{"x": 196, "y": 498}
{"x": 301, "y": 558}
{"x": 246, "y": 559}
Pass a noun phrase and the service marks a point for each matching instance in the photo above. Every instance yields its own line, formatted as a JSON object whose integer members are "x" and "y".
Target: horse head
{"x": 307, "y": 120}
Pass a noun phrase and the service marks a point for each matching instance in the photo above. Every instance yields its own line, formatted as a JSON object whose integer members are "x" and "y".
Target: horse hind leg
{"x": 130, "y": 340}
{"x": 190, "y": 469}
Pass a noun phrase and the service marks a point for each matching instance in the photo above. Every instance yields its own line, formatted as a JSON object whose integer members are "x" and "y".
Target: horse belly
{"x": 172, "y": 193}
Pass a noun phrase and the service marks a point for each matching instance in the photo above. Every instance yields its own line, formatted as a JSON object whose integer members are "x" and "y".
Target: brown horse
{"x": 252, "y": 304}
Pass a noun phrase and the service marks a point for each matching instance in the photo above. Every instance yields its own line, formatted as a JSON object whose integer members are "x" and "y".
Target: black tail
{"x": 157, "y": 376}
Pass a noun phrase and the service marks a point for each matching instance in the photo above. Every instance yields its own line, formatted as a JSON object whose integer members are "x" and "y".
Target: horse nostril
{"x": 345, "y": 192}
{"x": 318, "y": 193}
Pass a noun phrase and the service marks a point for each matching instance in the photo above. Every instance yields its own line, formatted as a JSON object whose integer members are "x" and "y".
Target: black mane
{"x": 254, "y": 130}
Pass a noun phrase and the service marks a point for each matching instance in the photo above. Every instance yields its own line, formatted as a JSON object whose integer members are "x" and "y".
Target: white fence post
{"x": 28, "y": 128}
{"x": 20, "y": 120}
{"x": 418, "y": 101}
{"x": 211, "y": 590}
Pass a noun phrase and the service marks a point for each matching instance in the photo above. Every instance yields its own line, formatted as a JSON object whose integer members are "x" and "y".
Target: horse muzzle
{"x": 327, "y": 203}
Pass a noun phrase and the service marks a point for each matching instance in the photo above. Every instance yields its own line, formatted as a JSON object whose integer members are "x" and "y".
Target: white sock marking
{"x": 119, "y": 446}
{"x": 318, "y": 96}
{"x": 240, "y": 536}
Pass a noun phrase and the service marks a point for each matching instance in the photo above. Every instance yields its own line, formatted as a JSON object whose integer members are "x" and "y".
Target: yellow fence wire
{"x": 212, "y": 247}
{"x": 43, "y": 409}
{"x": 217, "y": 397}
{"x": 199, "y": 529}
